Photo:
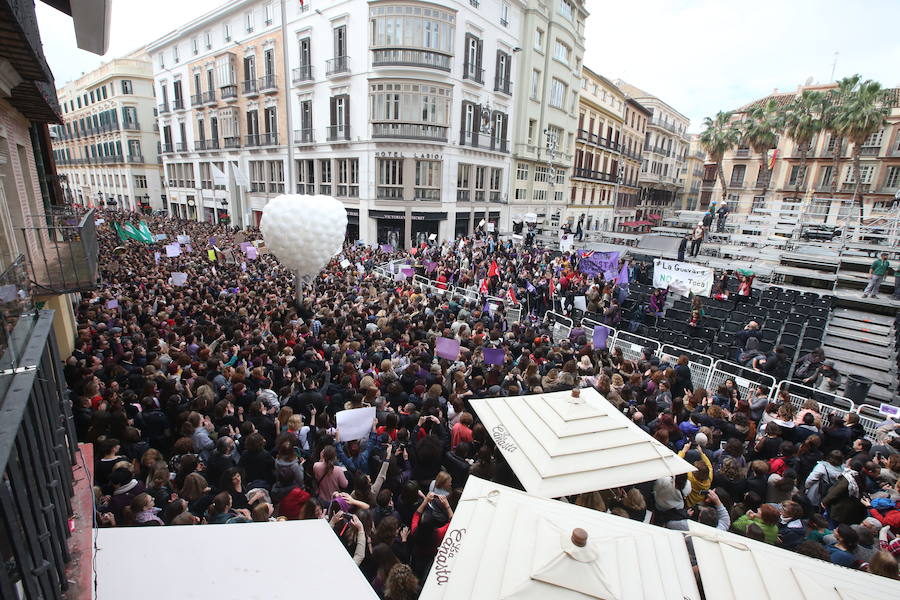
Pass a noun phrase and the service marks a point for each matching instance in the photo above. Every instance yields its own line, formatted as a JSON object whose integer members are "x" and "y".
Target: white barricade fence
{"x": 700, "y": 364}
{"x": 469, "y": 295}
{"x": 870, "y": 418}
{"x": 632, "y": 345}
{"x": 513, "y": 315}
{"x": 746, "y": 380}
{"x": 828, "y": 404}
{"x": 560, "y": 326}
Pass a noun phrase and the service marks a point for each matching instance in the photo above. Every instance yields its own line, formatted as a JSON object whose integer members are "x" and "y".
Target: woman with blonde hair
{"x": 284, "y": 415}
{"x": 636, "y": 505}
{"x": 593, "y": 500}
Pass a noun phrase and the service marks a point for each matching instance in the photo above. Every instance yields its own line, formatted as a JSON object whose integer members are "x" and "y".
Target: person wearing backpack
{"x": 823, "y": 476}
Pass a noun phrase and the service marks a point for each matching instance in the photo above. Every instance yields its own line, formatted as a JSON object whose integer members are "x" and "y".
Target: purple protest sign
{"x": 188, "y": 248}
{"x": 387, "y": 248}
{"x": 430, "y": 267}
{"x": 251, "y": 253}
{"x": 408, "y": 271}
{"x": 494, "y": 356}
{"x": 112, "y": 304}
{"x": 244, "y": 245}
{"x": 212, "y": 241}
{"x": 594, "y": 263}
{"x": 446, "y": 348}
{"x": 601, "y": 334}
{"x": 623, "y": 275}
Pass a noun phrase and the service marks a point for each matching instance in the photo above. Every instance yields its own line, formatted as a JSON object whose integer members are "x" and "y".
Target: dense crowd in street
{"x": 214, "y": 402}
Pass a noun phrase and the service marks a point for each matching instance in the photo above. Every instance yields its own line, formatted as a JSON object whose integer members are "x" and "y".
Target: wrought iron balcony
{"x": 61, "y": 250}
{"x": 209, "y": 97}
{"x": 267, "y": 83}
{"x": 252, "y": 140}
{"x": 337, "y": 66}
{"x": 503, "y": 86}
{"x": 229, "y": 92}
{"x": 163, "y": 108}
{"x": 484, "y": 142}
{"x": 304, "y": 136}
{"x": 211, "y": 144}
{"x": 409, "y": 131}
{"x": 338, "y": 133}
{"x": 178, "y": 104}
{"x": 870, "y": 150}
{"x": 232, "y": 142}
{"x": 37, "y": 455}
{"x": 473, "y": 73}
{"x": 196, "y": 99}
{"x": 250, "y": 88}
{"x": 181, "y": 147}
{"x": 303, "y": 73}
{"x": 131, "y": 125}
{"x": 135, "y": 158}
{"x": 411, "y": 57}
{"x": 268, "y": 139}
{"x": 594, "y": 175}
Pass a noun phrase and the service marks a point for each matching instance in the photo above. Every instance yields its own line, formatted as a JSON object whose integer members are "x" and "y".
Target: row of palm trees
{"x": 850, "y": 112}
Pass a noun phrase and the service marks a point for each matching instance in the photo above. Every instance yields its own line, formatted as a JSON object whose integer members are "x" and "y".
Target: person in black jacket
{"x": 457, "y": 464}
{"x": 257, "y": 462}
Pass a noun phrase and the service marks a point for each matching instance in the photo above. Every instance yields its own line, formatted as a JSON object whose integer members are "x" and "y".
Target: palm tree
{"x": 861, "y": 114}
{"x": 831, "y": 109}
{"x": 802, "y": 121}
{"x": 761, "y": 128}
{"x": 720, "y": 135}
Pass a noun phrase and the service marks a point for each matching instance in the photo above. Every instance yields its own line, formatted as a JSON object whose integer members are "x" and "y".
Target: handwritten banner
{"x": 682, "y": 277}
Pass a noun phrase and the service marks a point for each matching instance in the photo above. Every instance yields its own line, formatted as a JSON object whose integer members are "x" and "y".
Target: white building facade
{"x": 548, "y": 71}
{"x": 106, "y": 148}
{"x": 401, "y": 109}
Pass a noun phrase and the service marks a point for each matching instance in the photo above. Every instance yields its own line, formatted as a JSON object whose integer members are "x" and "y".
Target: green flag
{"x": 144, "y": 231}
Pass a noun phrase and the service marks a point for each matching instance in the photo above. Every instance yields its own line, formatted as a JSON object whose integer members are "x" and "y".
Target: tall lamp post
{"x": 552, "y": 144}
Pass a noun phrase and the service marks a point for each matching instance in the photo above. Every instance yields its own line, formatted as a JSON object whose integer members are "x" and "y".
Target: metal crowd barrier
{"x": 700, "y": 364}
{"x": 828, "y": 404}
{"x": 561, "y": 326}
{"x": 632, "y": 345}
{"x": 746, "y": 380}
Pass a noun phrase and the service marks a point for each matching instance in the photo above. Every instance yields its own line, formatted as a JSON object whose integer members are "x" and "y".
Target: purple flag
{"x": 408, "y": 271}
{"x": 446, "y": 348}
{"x": 623, "y": 275}
{"x": 529, "y": 287}
{"x": 494, "y": 356}
{"x": 594, "y": 263}
{"x": 601, "y": 333}
{"x": 387, "y": 248}
{"x": 244, "y": 245}
{"x": 212, "y": 241}
{"x": 430, "y": 266}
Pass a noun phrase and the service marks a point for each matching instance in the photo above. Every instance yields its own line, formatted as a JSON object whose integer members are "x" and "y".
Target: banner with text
{"x": 682, "y": 277}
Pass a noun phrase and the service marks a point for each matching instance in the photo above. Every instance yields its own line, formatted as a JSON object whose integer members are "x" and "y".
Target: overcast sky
{"x": 700, "y": 56}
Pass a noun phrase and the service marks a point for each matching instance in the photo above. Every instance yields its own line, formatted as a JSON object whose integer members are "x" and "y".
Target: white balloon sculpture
{"x": 304, "y": 232}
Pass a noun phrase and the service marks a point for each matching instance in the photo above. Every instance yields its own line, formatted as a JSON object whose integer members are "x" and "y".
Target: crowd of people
{"x": 214, "y": 402}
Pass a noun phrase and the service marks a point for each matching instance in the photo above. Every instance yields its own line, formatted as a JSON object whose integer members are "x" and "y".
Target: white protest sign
{"x": 8, "y": 293}
{"x": 184, "y": 239}
{"x": 179, "y": 279}
{"x": 580, "y": 302}
{"x": 682, "y": 277}
{"x": 173, "y": 250}
{"x": 490, "y": 227}
{"x": 566, "y": 243}
{"x": 355, "y": 423}
{"x": 345, "y": 263}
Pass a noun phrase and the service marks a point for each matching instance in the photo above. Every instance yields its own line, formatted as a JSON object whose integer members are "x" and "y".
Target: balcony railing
{"x": 267, "y": 83}
{"x": 199, "y": 145}
{"x": 665, "y": 125}
{"x": 503, "y": 86}
{"x": 594, "y": 175}
{"x": 384, "y": 192}
{"x": 181, "y": 147}
{"x": 427, "y": 194}
{"x": 163, "y": 108}
{"x": 409, "y": 131}
{"x": 251, "y": 140}
{"x": 304, "y": 136}
{"x": 742, "y": 153}
{"x": 135, "y": 158}
{"x": 870, "y": 150}
{"x": 409, "y": 57}
{"x": 61, "y": 250}
{"x": 131, "y": 125}
{"x": 301, "y": 74}
{"x": 337, "y": 65}
{"x": 166, "y": 148}
{"x": 849, "y": 187}
{"x": 473, "y": 73}
{"x": 268, "y": 139}
{"x": 250, "y": 88}
{"x": 209, "y": 97}
{"x": 593, "y": 138}
{"x": 338, "y": 132}
{"x": 196, "y": 99}
{"x": 484, "y": 142}
{"x": 232, "y": 142}
{"x": 178, "y": 104}
{"x": 211, "y": 144}
{"x": 37, "y": 455}
{"x": 229, "y": 92}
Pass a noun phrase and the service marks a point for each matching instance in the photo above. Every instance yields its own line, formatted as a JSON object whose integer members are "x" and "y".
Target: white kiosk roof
{"x": 285, "y": 560}
{"x": 733, "y": 567}
{"x": 558, "y": 445}
{"x": 503, "y": 543}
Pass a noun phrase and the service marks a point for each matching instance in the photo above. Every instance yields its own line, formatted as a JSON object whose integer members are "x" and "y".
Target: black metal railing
{"x": 304, "y": 136}
{"x": 229, "y": 92}
{"x": 473, "y": 73}
{"x": 131, "y": 124}
{"x": 302, "y": 73}
{"x": 15, "y": 301}
{"x": 181, "y": 147}
{"x": 338, "y": 132}
{"x": 178, "y": 104}
{"x": 37, "y": 453}
{"x": 411, "y": 57}
{"x": 163, "y": 108}
{"x": 232, "y": 142}
{"x": 337, "y": 65}
{"x": 61, "y": 251}
{"x": 484, "y": 141}
{"x": 211, "y": 144}
{"x": 410, "y": 131}
{"x": 267, "y": 83}
{"x": 209, "y": 97}
{"x": 503, "y": 85}
{"x": 252, "y": 140}
{"x": 250, "y": 87}
{"x": 196, "y": 99}
{"x": 268, "y": 139}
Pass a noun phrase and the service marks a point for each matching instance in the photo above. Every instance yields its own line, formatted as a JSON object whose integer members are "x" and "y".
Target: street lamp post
{"x": 552, "y": 147}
